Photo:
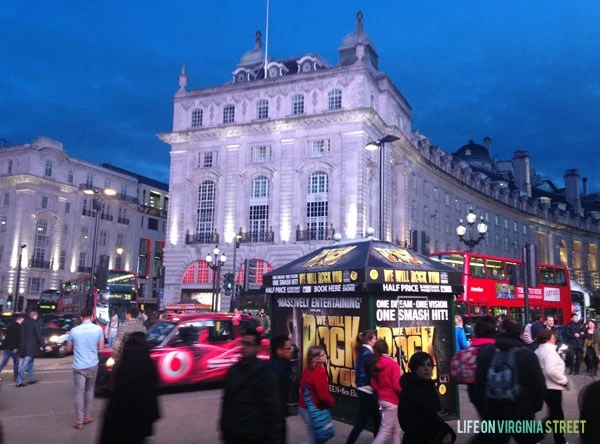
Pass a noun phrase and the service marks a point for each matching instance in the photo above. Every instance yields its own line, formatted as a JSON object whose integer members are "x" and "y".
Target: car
{"x": 189, "y": 349}
{"x": 55, "y": 341}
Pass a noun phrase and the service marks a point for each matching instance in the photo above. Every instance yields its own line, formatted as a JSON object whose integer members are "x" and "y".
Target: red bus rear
{"x": 494, "y": 286}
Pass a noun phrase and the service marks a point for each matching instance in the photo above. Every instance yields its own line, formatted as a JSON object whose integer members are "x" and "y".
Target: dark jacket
{"x": 133, "y": 407}
{"x": 281, "y": 368}
{"x": 251, "y": 409}
{"x": 12, "y": 340}
{"x": 418, "y": 410}
{"x": 31, "y": 338}
{"x": 572, "y": 328}
{"x": 531, "y": 381}
{"x": 364, "y": 365}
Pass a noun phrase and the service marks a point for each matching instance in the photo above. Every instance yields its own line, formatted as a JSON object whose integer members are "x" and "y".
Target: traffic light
{"x": 9, "y": 302}
{"x": 102, "y": 272}
{"x": 228, "y": 281}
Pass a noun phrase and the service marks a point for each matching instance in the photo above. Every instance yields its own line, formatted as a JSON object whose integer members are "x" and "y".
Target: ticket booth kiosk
{"x": 328, "y": 296}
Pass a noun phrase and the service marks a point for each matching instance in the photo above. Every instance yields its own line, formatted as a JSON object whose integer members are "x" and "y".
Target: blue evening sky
{"x": 100, "y": 78}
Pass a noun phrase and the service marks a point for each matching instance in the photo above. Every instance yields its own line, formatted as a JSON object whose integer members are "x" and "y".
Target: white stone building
{"x": 44, "y": 207}
{"x": 280, "y": 162}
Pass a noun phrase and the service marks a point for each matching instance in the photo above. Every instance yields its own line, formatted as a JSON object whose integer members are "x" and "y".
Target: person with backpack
{"x": 509, "y": 383}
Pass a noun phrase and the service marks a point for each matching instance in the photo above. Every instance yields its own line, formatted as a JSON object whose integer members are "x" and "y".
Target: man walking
{"x": 31, "y": 346}
{"x": 132, "y": 324}
{"x": 575, "y": 334}
{"x": 11, "y": 345}
{"x": 264, "y": 321}
{"x": 251, "y": 409}
{"x": 85, "y": 340}
{"x": 281, "y": 353}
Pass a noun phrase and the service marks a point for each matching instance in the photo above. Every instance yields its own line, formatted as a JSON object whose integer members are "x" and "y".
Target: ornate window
{"x": 197, "y": 118}
{"x": 229, "y": 114}
{"x": 317, "y": 205}
{"x": 262, "y": 109}
{"x": 48, "y": 170}
{"x": 297, "y": 104}
{"x": 334, "y": 99}
{"x": 205, "y": 211}
{"x": 258, "y": 221}
{"x": 319, "y": 147}
{"x": 261, "y": 153}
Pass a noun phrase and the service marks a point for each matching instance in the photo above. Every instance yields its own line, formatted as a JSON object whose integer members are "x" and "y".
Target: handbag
{"x": 319, "y": 418}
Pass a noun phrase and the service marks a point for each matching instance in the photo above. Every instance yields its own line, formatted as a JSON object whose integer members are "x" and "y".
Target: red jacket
{"x": 318, "y": 385}
{"x": 386, "y": 382}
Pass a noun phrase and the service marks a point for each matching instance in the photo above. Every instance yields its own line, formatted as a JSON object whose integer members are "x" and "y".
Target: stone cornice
{"x": 27, "y": 179}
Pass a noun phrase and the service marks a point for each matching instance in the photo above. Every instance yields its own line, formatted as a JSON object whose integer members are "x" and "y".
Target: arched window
{"x": 258, "y": 220}
{"x": 48, "y": 171}
{"x": 229, "y": 114}
{"x": 317, "y": 206}
{"x": 205, "y": 212}
{"x": 197, "y": 118}
{"x": 334, "y": 99}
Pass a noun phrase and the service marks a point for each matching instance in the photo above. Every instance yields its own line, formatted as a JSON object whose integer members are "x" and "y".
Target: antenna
{"x": 267, "y": 40}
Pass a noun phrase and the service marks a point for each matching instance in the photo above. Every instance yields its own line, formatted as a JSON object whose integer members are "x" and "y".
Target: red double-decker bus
{"x": 494, "y": 286}
{"x": 121, "y": 291}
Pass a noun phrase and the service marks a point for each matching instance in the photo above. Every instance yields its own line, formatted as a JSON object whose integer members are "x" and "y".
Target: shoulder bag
{"x": 320, "y": 419}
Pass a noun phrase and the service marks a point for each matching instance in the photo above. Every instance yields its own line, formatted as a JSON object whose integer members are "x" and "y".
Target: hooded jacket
{"x": 363, "y": 369}
{"x": 531, "y": 381}
{"x": 386, "y": 381}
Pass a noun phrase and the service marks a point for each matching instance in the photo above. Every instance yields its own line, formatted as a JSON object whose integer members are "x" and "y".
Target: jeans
{"x": 390, "y": 426}
{"x": 367, "y": 408}
{"x": 27, "y": 365}
{"x": 15, "y": 357}
{"x": 84, "y": 380}
{"x": 308, "y": 423}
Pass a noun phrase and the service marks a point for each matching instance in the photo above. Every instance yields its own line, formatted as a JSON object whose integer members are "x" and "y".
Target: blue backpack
{"x": 502, "y": 382}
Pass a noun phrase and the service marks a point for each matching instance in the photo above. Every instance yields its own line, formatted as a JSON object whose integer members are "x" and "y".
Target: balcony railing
{"x": 202, "y": 238}
{"x": 40, "y": 263}
{"x": 315, "y": 234}
{"x": 256, "y": 236}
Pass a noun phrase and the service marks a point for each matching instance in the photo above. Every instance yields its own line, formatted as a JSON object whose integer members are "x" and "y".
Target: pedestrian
{"x": 589, "y": 406}
{"x": 281, "y": 353}
{"x": 11, "y": 344}
{"x": 592, "y": 347}
{"x": 85, "y": 341}
{"x": 386, "y": 384}
{"x": 32, "y": 344}
{"x": 549, "y": 324}
{"x": 112, "y": 328}
{"x": 523, "y": 386}
{"x": 367, "y": 401}
{"x": 419, "y": 404}
{"x": 264, "y": 321}
{"x": 251, "y": 410}
{"x": 314, "y": 377}
{"x": 575, "y": 333}
{"x": 553, "y": 368}
{"x": 459, "y": 333}
{"x": 132, "y": 407}
{"x": 131, "y": 325}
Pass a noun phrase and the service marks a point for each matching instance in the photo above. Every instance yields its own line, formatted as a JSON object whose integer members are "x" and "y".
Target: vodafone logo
{"x": 175, "y": 365}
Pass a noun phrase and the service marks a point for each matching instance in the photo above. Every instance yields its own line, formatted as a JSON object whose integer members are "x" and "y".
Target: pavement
{"x": 189, "y": 416}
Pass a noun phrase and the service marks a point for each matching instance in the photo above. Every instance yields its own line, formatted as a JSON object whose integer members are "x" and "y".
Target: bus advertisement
{"x": 494, "y": 286}
{"x": 120, "y": 293}
{"x": 48, "y": 301}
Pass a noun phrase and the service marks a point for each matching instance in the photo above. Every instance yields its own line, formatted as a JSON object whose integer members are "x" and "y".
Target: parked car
{"x": 189, "y": 349}
{"x": 55, "y": 331}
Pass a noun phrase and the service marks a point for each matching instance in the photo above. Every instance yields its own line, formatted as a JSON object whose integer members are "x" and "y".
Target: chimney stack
{"x": 521, "y": 165}
{"x": 572, "y": 188}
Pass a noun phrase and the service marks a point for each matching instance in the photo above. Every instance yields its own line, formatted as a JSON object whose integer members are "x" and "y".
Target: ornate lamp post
{"x": 18, "y": 298}
{"x": 461, "y": 230}
{"x": 215, "y": 262}
{"x": 380, "y": 145}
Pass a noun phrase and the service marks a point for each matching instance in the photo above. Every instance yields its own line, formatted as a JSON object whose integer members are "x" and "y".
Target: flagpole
{"x": 267, "y": 40}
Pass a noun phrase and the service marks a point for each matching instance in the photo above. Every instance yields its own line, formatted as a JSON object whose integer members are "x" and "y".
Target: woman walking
{"x": 367, "y": 403}
{"x": 592, "y": 347}
{"x": 553, "y": 368}
{"x": 386, "y": 383}
{"x": 315, "y": 378}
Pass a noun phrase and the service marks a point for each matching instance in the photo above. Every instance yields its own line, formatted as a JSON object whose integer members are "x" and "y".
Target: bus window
{"x": 547, "y": 275}
{"x": 476, "y": 267}
{"x": 514, "y": 274}
{"x": 560, "y": 276}
{"x": 495, "y": 269}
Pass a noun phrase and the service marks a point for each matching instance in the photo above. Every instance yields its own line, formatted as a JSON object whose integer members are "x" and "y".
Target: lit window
{"x": 334, "y": 99}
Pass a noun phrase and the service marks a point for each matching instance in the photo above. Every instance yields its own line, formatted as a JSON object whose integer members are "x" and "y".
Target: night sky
{"x": 101, "y": 78}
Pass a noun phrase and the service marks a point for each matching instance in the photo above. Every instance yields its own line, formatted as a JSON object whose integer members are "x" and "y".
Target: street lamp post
{"x": 215, "y": 265}
{"x": 461, "y": 230}
{"x": 18, "y": 301}
{"x": 97, "y": 208}
{"x": 236, "y": 245}
{"x": 372, "y": 146}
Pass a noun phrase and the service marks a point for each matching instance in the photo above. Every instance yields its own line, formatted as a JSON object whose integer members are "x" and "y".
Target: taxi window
{"x": 220, "y": 331}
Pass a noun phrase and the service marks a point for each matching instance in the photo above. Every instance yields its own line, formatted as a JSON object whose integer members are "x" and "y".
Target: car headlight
{"x": 53, "y": 338}
{"x": 110, "y": 362}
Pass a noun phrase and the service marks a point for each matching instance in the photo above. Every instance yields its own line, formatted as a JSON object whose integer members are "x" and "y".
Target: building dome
{"x": 473, "y": 151}
{"x": 255, "y": 55}
{"x": 357, "y": 37}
